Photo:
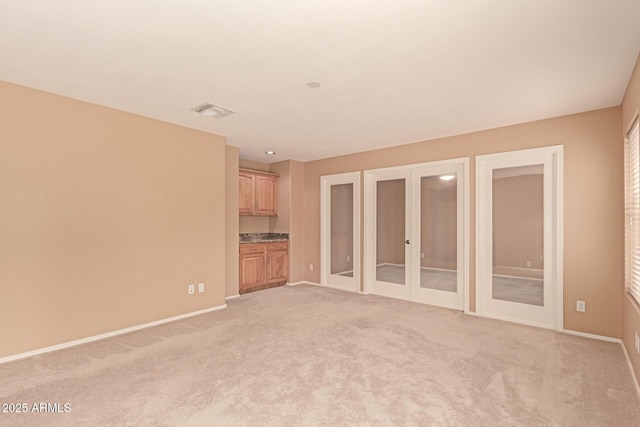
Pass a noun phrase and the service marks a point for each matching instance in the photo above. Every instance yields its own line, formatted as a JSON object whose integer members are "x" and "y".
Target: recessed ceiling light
{"x": 210, "y": 110}
{"x": 447, "y": 177}
{"x": 271, "y": 153}
{"x": 314, "y": 85}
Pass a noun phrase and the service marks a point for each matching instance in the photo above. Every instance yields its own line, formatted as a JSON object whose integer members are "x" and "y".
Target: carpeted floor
{"x": 307, "y": 355}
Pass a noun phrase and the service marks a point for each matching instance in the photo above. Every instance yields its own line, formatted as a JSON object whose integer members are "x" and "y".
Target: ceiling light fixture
{"x": 211, "y": 110}
{"x": 447, "y": 177}
{"x": 271, "y": 153}
{"x": 314, "y": 85}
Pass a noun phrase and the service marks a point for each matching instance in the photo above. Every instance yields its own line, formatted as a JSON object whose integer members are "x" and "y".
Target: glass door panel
{"x": 439, "y": 232}
{"x": 341, "y": 227}
{"x": 518, "y": 234}
{"x": 390, "y": 231}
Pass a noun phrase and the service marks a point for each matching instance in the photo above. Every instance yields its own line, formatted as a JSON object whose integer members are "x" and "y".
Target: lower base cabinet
{"x": 263, "y": 265}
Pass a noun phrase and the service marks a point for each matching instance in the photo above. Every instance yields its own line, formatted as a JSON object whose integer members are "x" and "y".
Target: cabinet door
{"x": 266, "y": 190}
{"x": 245, "y": 194}
{"x": 277, "y": 267}
{"x": 252, "y": 271}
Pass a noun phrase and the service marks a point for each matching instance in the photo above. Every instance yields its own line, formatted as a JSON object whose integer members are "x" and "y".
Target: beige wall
{"x": 630, "y": 310}
{"x": 390, "y": 222}
{"x": 252, "y": 164}
{"x": 106, "y": 218}
{"x": 232, "y": 225}
{"x": 297, "y": 223}
{"x": 592, "y": 202}
{"x": 253, "y": 224}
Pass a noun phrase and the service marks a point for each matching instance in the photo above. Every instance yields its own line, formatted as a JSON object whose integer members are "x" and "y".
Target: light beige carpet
{"x": 307, "y": 355}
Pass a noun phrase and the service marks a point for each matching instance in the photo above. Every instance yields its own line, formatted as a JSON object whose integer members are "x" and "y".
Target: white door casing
{"x": 550, "y": 314}
{"x": 326, "y": 277}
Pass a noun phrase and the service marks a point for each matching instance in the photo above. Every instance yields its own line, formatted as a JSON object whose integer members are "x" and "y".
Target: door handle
{"x": 407, "y": 242}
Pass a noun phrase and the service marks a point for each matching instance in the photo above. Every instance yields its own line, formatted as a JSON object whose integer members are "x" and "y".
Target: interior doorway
{"x": 416, "y": 233}
{"x": 519, "y": 236}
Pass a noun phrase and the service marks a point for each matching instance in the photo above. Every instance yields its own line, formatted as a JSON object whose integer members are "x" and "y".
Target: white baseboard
{"x": 592, "y": 336}
{"x": 232, "y": 297}
{"x": 518, "y": 272}
{"x": 336, "y": 287}
{"x": 304, "y": 282}
{"x": 566, "y": 331}
{"x": 382, "y": 264}
{"x": 106, "y": 335}
{"x": 516, "y": 321}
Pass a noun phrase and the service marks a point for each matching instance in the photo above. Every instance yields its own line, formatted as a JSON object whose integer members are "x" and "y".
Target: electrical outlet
{"x": 191, "y": 289}
{"x": 310, "y": 267}
{"x": 529, "y": 264}
{"x": 581, "y": 306}
{"x": 201, "y": 287}
{"x": 348, "y": 258}
{"x": 422, "y": 255}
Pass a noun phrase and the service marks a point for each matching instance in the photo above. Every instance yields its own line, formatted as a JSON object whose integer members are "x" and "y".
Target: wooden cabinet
{"x": 263, "y": 265}
{"x": 252, "y": 265}
{"x": 245, "y": 197}
{"x": 277, "y": 262}
{"x": 266, "y": 195}
{"x": 258, "y": 193}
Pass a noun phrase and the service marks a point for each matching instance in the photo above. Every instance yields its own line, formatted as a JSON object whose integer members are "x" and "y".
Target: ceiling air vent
{"x": 210, "y": 110}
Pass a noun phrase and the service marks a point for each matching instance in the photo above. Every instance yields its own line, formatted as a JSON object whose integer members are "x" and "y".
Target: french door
{"x": 519, "y": 236}
{"x": 416, "y": 233}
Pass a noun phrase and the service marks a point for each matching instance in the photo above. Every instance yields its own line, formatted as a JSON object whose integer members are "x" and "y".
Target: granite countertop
{"x": 263, "y": 237}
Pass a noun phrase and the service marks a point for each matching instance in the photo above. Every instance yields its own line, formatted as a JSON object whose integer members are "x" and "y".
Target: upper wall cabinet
{"x": 258, "y": 193}
{"x": 246, "y": 193}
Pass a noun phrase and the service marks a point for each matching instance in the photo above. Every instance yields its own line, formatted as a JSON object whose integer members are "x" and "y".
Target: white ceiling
{"x": 392, "y": 71}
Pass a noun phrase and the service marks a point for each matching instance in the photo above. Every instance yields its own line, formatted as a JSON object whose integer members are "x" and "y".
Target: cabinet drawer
{"x": 277, "y": 246}
{"x": 252, "y": 248}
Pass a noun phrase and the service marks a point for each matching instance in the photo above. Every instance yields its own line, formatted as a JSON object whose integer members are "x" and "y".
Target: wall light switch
{"x": 581, "y": 306}
{"x": 200, "y": 287}
{"x": 310, "y": 267}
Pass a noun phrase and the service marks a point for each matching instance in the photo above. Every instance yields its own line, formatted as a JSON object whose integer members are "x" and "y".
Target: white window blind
{"x": 632, "y": 211}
